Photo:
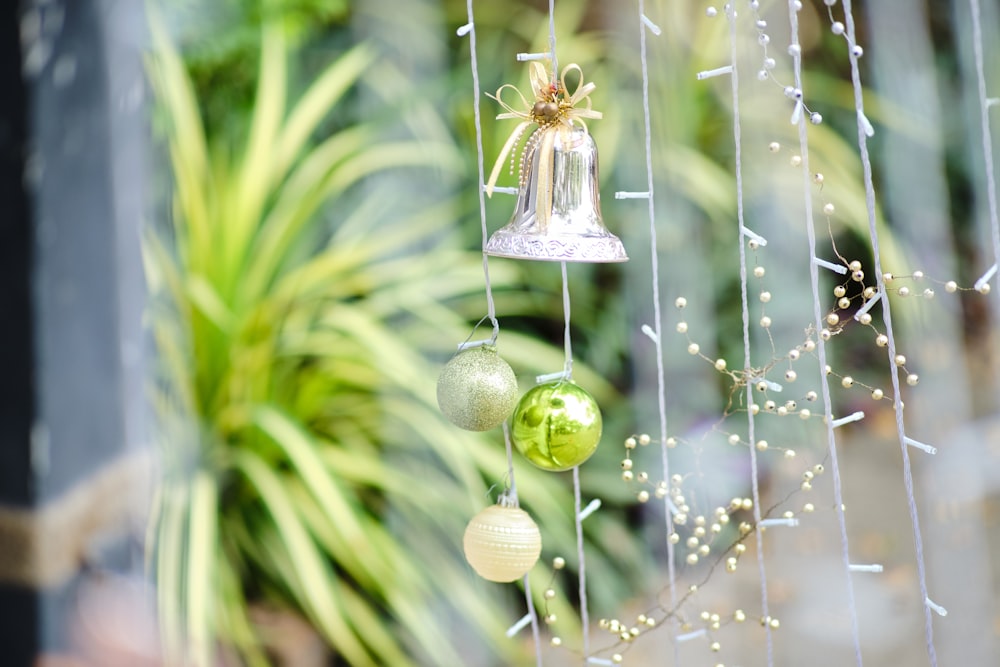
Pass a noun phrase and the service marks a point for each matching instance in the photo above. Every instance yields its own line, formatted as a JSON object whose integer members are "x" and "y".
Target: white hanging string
{"x": 657, "y": 313}
{"x": 568, "y": 346}
{"x": 469, "y": 29}
{"x": 821, "y": 346}
{"x": 854, "y": 53}
{"x": 984, "y": 117}
{"x": 552, "y": 39}
{"x": 567, "y": 338}
{"x": 731, "y": 16}
{"x": 577, "y": 509}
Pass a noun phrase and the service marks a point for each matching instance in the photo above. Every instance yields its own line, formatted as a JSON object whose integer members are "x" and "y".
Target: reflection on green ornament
{"x": 556, "y": 425}
{"x": 477, "y": 389}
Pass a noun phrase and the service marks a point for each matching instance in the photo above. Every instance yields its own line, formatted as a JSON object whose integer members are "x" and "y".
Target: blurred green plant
{"x": 306, "y": 465}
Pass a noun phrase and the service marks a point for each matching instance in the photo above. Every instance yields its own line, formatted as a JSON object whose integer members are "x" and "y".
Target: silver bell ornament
{"x": 558, "y": 212}
{"x": 477, "y": 390}
{"x": 502, "y": 543}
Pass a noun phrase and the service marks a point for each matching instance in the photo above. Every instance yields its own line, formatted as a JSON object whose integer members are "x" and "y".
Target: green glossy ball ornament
{"x": 556, "y": 425}
{"x": 477, "y": 389}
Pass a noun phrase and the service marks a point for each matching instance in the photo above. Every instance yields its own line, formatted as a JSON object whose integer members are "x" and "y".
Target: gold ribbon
{"x": 555, "y": 110}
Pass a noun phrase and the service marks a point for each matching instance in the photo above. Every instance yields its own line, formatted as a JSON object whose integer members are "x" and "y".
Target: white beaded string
{"x": 469, "y": 29}
{"x": 864, "y": 130}
{"x": 984, "y": 116}
{"x": 831, "y": 424}
{"x": 731, "y": 16}
{"x": 657, "y": 312}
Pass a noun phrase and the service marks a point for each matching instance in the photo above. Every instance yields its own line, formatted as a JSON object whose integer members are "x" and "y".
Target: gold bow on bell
{"x": 555, "y": 110}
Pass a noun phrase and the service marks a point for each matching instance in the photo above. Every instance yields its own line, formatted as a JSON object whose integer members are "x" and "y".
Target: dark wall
{"x": 72, "y": 156}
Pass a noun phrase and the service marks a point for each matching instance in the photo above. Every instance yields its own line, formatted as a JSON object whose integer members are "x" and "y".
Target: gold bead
{"x": 900, "y": 360}
{"x": 680, "y": 302}
{"x": 912, "y": 379}
{"x": 844, "y": 303}
{"x": 829, "y": 209}
{"x": 758, "y": 271}
{"x": 833, "y": 319}
{"x": 626, "y": 464}
{"x": 558, "y": 563}
{"x": 627, "y": 476}
{"x": 644, "y": 439}
{"x": 643, "y": 496}
{"x": 950, "y": 286}
{"x": 682, "y": 327}
{"x": 550, "y": 593}
{"x": 693, "y": 348}
{"x": 739, "y": 616}
{"x": 839, "y": 291}
{"x": 556, "y": 641}
{"x": 630, "y": 443}
{"x": 881, "y": 340}
{"x": 720, "y": 364}
{"x": 692, "y": 559}
{"x": 761, "y": 445}
{"x": 847, "y": 381}
{"x": 877, "y": 394}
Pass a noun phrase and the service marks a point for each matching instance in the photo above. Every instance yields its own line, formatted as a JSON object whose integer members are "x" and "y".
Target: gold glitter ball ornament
{"x": 556, "y": 425}
{"x": 502, "y": 543}
{"x": 477, "y": 389}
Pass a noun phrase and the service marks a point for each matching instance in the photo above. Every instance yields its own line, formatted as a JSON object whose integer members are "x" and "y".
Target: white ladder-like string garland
{"x": 469, "y": 30}
{"x": 865, "y": 130}
{"x": 831, "y": 423}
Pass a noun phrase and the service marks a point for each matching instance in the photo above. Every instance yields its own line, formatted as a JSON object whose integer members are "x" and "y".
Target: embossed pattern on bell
{"x": 558, "y": 212}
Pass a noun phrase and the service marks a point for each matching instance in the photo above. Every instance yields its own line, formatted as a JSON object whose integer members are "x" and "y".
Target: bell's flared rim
{"x": 606, "y": 249}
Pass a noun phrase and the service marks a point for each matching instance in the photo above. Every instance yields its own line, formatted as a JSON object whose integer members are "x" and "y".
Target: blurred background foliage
{"x": 321, "y": 263}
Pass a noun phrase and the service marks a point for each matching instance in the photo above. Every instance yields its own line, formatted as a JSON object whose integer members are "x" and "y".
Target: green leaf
{"x": 306, "y": 566}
